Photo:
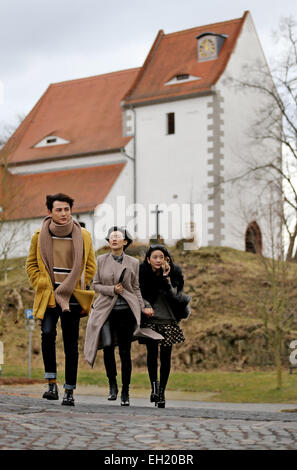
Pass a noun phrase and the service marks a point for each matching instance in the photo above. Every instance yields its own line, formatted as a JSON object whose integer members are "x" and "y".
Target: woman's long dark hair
{"x": 150, "y": 283}
{"x": 160, "y": 248}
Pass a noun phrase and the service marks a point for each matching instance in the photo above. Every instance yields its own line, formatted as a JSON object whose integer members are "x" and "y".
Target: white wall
{"x": 117, "y": 208}
{"x": 16, "y": 236}
{"x": 88, "y": 219}
{"x": 244, "y": 200}
{"x": 169, "y": 165}
{"x": 177, "y": 164}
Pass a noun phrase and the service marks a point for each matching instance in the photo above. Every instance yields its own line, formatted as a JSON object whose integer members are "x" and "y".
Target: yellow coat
{"x": 42, "y": 284}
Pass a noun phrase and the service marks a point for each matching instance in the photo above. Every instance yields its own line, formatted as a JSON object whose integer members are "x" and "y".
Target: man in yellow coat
{"x": 60, "y": 266}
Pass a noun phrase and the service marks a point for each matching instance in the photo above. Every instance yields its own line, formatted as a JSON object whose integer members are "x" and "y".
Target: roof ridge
{"x": 140, "y": 74}
{"x": 240, "y": 26}
{"x": 94, "y": 77}
{"x": 204, "y": 26}
{"x": 16, "y": 138}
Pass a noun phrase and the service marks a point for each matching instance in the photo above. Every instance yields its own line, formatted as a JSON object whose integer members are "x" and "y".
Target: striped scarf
{"x": 66, "y": 288}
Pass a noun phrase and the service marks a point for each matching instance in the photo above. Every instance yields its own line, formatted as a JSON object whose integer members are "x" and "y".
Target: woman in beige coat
{"x": 116, "y": 313}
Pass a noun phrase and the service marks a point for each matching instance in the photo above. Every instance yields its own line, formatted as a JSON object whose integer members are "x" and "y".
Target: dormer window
{"x": 182, "y": 78}
{"x": 51, "y": 140}
{"x": 209, "y": 45}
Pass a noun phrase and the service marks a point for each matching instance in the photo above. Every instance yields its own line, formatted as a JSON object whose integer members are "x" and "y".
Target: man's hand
{"x": 118, "y": 289}
{"x": 148, "y": 311}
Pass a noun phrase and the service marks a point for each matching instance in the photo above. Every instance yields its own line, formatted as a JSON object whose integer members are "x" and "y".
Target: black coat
{"x": 151, "y": 284}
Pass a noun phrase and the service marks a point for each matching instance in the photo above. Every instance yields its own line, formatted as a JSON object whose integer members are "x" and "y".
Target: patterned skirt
{"x": 171, "y": 332}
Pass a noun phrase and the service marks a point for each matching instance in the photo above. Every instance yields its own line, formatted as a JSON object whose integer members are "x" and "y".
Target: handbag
{"x": 180, "y": 304}
{"x": 105, "y": 335}
{"x": 122, "y": 276}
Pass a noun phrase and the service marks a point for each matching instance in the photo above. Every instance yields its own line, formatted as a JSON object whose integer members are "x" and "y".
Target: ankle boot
{"x": 125, "y": 401}
{"x": 68, "y": 399}
{"x": 113, "y": 390}
{"x": 52, "y": 392}
{"x": 161, "y": 401}
{"x": 155, "y": 392}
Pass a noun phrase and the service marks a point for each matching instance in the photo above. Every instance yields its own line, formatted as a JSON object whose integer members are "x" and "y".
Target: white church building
{"x": 173, "y": 133}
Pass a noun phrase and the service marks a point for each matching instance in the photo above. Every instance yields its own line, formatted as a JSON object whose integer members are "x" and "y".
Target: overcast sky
{"x": 43, "y": 42}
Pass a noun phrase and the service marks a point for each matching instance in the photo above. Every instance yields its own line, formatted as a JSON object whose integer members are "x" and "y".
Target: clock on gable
{"x": 209, "y": 45}
{"x": 207, "y": 48}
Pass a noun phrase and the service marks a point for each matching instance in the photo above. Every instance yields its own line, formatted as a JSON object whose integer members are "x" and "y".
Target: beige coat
{"x": 107, "y": 276}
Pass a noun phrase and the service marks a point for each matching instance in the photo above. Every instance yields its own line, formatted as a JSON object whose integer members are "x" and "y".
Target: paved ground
{"x": 28, "y": 422}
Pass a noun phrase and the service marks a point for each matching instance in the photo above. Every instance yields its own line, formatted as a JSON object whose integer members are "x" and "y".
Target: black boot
{"x": 113, "y": 390}
{"x": 68, "y": 399}
{"x": 125, "y": 401}
{"x": 52, "y": 392}
{"x": 161, "y": 401}
{"x": 155, "y": 392}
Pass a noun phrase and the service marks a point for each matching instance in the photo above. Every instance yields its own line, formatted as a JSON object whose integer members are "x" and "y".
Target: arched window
{"x": 253, "y": 238}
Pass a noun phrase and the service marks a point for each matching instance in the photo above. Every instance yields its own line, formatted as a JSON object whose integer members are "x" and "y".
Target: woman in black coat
{"x": 159, "y": 279}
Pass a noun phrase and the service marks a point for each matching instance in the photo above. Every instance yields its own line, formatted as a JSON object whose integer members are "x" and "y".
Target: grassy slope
{"x": 224, "y": 330}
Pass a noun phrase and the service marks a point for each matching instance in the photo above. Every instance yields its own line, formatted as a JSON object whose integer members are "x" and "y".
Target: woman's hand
{"x": 118, "y": 289}
{"x": 148, "y": 311}
{"x": 166, "y": 268}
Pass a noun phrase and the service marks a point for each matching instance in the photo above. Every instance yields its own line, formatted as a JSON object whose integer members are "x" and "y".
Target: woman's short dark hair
{"x": 125, "y": 233}
{"x": 160, "y": 248}
{"x": 51, "y": 198}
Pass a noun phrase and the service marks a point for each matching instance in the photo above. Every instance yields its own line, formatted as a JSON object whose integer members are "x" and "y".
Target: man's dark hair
{"x": 51, "y": 198}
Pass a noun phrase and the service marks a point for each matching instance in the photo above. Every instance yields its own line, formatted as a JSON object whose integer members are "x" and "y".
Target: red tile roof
{"x": 87, "y": 112}
{"x": 176, "y": 53}
{"x": 88, "y": 187}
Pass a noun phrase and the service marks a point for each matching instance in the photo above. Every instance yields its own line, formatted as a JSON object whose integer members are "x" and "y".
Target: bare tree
{"x": 276, "y": 123}
{"x": 8, "y": 129}
{"x": 10, "y": 229}
{"x": 273, "y": 136}
{"x": 276, "y": 305}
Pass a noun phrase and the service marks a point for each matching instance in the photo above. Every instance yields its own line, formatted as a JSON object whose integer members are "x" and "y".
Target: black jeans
{"x": 70, "y": 331}
{"x": 152, "y": 362}
{"x": 122, "y": 324}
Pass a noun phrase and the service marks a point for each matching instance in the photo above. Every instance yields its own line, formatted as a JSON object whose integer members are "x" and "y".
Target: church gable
{"x": 180, "y": 59}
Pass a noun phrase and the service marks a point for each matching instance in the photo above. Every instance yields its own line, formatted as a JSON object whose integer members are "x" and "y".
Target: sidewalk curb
{"x": 27, "y": 405}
